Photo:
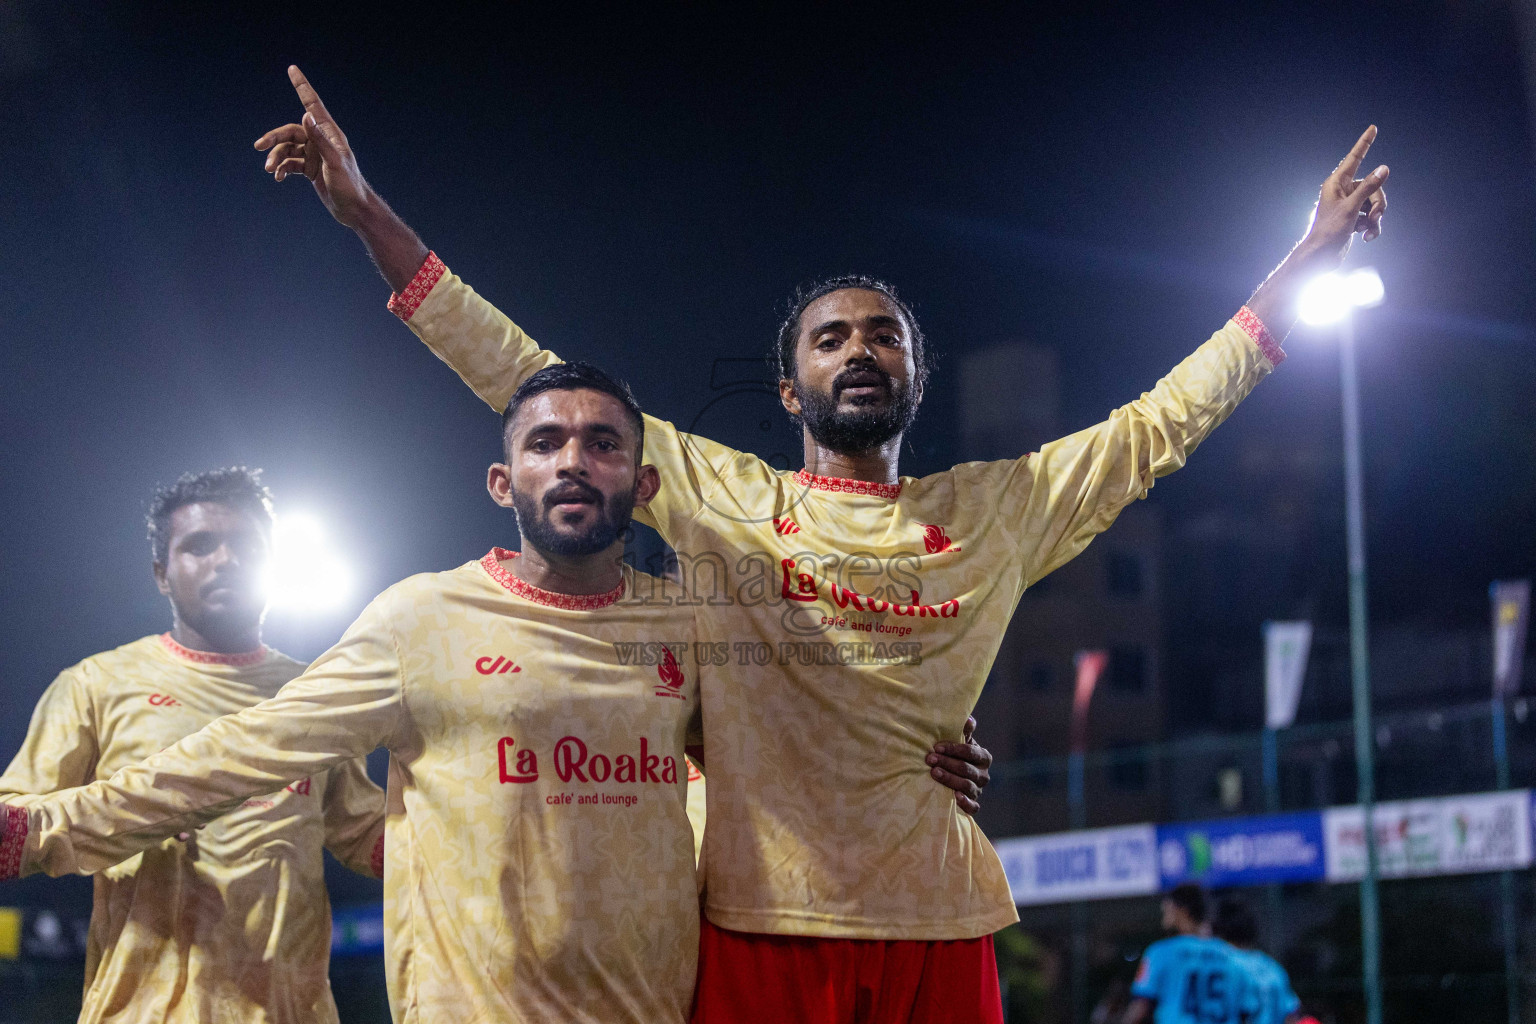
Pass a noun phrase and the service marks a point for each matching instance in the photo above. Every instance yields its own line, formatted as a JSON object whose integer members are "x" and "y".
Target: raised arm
{"x": 317, "y": 148}
{"x": 1073, "y": 488}
{"x": 343, "y": 707}
{"x": 480, "y": 343}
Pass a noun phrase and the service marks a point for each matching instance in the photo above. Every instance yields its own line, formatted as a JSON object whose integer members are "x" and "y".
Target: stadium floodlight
{"x": 1332, "y": 297}
{"x": 304, "y": 573}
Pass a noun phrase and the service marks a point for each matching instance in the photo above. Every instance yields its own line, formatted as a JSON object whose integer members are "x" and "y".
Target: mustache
{"x": 573, "y": 490}
{"x": 861, "y": 376}
{"x": 234, "y": 581}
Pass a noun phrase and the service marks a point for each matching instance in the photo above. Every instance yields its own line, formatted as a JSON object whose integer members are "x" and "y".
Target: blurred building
{"x": 1109, "y": 597}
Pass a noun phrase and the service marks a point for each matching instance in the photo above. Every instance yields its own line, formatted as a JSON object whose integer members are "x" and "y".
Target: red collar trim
{"x": 245, "y": 660}
{"x": 805, "y": 478}
{"x": 491, "y": 563}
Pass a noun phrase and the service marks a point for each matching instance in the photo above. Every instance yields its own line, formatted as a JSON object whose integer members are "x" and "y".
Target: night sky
{"x": 643, "y": 189}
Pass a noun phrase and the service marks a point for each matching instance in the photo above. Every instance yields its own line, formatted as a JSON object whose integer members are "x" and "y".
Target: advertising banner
{"x": 1242, "y": 851}
{"x": 1442, "y": 836}
{"x": 1093, "y": 864}
{"x": 357, "y": 929}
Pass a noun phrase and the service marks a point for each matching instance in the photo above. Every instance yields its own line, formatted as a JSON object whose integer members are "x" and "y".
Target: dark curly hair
{"x": 235, "y": 486}
{"x": 782, "y": 358}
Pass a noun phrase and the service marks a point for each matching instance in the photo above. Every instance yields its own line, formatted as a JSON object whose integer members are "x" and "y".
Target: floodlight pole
{"x": 1360, "y": 671}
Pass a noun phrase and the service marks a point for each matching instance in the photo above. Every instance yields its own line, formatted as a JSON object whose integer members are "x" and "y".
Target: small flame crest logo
{"x": 668, "y": 670}
{"x": 935, "y": 540}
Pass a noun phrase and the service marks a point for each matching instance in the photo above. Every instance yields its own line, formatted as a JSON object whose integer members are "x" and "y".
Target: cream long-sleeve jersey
{"x": 864, "y": 615}
{"x": 539, "y": 860}
{"x": 235, "y": 924}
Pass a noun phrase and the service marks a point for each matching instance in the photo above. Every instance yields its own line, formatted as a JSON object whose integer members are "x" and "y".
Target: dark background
{"x": 642, "y": 188}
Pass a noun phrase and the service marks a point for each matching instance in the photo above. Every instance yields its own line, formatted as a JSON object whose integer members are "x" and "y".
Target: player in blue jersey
{"x": 1190, "y": 978}
{"x": 1270, "y": 997}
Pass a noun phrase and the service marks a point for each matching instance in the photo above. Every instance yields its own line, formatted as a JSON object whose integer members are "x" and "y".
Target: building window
{"x": 1125, "y": 575}
{"x": 1128, "y": 770}
{"x": 1041, "y": 676}
{"x": 1127, "y": 669}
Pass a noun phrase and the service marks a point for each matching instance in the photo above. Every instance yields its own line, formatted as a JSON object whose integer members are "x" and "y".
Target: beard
{"x": 535, "y": 520}
{"x": 869, "y": 424}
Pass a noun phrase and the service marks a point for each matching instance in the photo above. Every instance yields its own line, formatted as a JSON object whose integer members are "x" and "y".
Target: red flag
{"x": 1090, "y": 666}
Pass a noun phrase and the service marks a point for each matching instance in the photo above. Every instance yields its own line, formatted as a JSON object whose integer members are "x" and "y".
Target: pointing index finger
{"x": 1351, "y": 162}
{"x": 311, "y": 99}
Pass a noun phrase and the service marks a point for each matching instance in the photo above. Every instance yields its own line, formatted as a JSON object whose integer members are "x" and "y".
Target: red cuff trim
{"x": 1252, "y": 326}
{"x": 376, "y": 862}
{"x": 491, "y": 563}
{"x": 245, "y": 660}
{"x": 15, "y": 839}
{"x": 805, "y": 478}
{"x": 404, "y": 304}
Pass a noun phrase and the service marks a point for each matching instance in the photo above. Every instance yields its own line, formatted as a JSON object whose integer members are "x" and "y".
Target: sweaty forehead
{"x": 850, "y": 304}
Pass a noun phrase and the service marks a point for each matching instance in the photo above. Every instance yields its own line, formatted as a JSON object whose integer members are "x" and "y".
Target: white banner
{"x": 1286, "y": 647}
{"x": 1511, "y": 604}
{"x": 1093, "y": 864}
{"x": 1452, "y": 835}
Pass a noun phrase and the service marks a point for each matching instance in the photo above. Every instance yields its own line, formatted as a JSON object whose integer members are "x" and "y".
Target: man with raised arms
{"x": 233, "y": 924}
{"x": 837, "y": 877}
{"x": 541, "y": 864}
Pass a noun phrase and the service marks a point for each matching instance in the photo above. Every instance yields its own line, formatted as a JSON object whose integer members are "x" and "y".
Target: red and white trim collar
{"x": 244, "y": 660}
{"x": 491, "y": 563}
{"x": 15, "y": 841}
{"x": 805, "y": 478}
{"x": 404, "y": 304}
{"x": 1252, "y": 326}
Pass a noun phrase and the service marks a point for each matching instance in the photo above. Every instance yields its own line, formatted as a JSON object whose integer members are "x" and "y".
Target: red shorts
{"x": 745, "y": 978}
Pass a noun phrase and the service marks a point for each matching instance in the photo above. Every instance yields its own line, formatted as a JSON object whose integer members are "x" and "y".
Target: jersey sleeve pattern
{"x": 494, "y": 356}
{"x": 354, "y": 818}
{"x": 1064, "y": 495}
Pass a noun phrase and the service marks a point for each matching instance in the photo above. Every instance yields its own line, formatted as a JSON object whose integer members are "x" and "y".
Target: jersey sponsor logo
{"x": 803, "y": 587}
{"x": 785, "y": 527}
{"x": 576, "y": 762}
{"x": 162, "y": 700}
{"x": 301, "y": 787}
{"x": 487, "y": 666}
{"x": 936, "y": 541}
{"x": 516, "y": 765}
{"x": 671, "y": 676}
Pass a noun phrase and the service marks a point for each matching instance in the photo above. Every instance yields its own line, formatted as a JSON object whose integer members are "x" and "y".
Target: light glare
{"x": 304, "y": 573}
{"x": 1331, "y": 297}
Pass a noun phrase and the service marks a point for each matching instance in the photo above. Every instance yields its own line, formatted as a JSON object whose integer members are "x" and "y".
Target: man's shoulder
{"x": 105, "y": 665}
{"x": 462, "y": 579}
{"x": 1258, "y": 961}
{"x": 283, "y": 664}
